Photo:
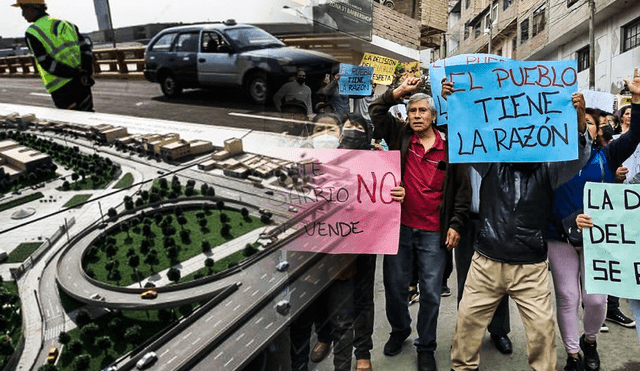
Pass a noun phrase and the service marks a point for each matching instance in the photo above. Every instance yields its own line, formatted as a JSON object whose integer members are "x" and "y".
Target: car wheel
{"x": 170, "y": 86}
{"x": 257, "y": 88}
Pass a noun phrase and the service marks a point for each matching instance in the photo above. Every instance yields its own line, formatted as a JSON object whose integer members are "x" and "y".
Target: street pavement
{"x": 619, "y": 349}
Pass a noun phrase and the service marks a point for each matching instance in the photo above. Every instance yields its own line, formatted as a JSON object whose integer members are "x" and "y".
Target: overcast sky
{"x": 135, "y": 12}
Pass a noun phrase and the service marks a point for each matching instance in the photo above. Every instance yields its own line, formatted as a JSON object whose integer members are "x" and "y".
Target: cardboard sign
{"x": 612, "y": 245}
{"x": 436, "y": 74}
{"x": 598, "y": 99}
{"x": 342, "y": 200}
{"x": 513, "y": 111}
{"x": 383, "y": 68}
{"x": 355, "y": 80}
{"x": 410, "y": 69}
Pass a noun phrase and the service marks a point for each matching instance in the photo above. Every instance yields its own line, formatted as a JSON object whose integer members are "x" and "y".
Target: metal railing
{"x": 127, "y": 63}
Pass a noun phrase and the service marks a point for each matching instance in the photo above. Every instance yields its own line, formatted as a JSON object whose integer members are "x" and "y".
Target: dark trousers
{"x": 338, "y": 299}
{"x": 73, "y": 96}
{"x": 363, "y": 284}
{"x": 613, "y": 303}
{"x": 448, "y": 268}
{"x": 500, "y": 324}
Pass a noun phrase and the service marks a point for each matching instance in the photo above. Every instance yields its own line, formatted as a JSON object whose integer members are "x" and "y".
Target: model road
{"x": 140, "y": 98}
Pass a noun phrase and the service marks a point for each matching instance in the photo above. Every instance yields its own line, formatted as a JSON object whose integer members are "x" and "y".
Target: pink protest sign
{"x": 343, "y": 200}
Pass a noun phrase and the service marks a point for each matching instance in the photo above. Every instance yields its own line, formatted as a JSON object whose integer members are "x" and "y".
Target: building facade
{"x": 552, "y": 30}
{"x": 16, "y": 159}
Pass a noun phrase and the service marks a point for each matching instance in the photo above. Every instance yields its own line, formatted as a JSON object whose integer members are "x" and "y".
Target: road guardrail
{"x": 119, "y": 63}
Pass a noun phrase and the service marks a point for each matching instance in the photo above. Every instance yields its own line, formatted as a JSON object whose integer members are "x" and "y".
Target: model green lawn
{"x": 110, "y": 259}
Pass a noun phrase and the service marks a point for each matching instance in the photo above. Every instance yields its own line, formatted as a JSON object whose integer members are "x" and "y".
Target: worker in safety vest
{"x": 62, "y": 55}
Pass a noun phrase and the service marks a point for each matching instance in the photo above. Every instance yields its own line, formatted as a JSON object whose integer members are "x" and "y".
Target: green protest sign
{"x": 612, "y": 245}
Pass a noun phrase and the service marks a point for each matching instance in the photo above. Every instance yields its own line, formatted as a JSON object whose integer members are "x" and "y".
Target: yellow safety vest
{"x": 60, "y": 41}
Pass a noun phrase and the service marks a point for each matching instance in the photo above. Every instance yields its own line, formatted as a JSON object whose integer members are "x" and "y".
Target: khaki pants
{"x": 488, "y": 281}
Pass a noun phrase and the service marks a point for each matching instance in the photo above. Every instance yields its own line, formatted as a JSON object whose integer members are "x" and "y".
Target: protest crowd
{"x": 508, "y": 227}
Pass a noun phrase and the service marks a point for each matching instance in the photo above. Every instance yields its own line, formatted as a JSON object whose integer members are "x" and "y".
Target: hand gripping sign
{"x": 342, "y": 200}
{"x": 436, "y": 74}
{"x": 513, "y": 111}
{"x": 612, "y": 245}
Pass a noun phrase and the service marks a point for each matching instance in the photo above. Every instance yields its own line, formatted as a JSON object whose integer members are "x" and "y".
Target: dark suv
{"x": 227, "y": 54}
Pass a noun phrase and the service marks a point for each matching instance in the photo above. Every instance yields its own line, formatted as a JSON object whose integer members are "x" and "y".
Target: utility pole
{"x": 113, "y": 33}
{"x": 592, "y": 45}
{"x": 490, "y": 34}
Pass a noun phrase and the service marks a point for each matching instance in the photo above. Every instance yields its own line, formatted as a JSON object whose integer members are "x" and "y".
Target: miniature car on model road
{"x": 146, "y": 360}
{"x": 52, "y": 355}
{"x": 229, "y": 54}
{"x": 149, "y": 294}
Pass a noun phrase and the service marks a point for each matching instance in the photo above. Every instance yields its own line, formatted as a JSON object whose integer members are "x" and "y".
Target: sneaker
{"x": 446, "y": 291}
{"x": 604, "y": 328}
{"x": 574, "y": 364}
{"x": 414, "y": 296}
{"x": 618, "y": 317}
{"x": 591, "y": 357}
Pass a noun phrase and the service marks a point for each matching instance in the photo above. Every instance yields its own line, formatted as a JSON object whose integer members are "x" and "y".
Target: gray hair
{"x": 422, "y": 96}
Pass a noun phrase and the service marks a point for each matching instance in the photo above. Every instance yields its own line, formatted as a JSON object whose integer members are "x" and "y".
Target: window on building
{"x": 538, "y": 21}
{"x": 631, "y": 35}
{"x": 466, "y": 30}
{"x": 524, "y": 31}
{"x": 506, "y": 4}
{"x": 477, "y": 28}
{"x": 467, "y": 3}
{"x": 571, "y": 2}
{"x": 514, "y": 46}
{"x": 487, "y": 21}
{"x": 583, "y": 58}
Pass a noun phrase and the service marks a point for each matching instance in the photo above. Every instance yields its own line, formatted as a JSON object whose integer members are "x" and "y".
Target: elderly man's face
{"x": 419, "y": 116}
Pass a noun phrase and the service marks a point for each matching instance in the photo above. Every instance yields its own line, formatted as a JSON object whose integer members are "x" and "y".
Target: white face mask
{"x": 326, "y": 141}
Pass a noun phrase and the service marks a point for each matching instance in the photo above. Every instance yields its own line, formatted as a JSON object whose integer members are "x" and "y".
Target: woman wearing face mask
{"x": 565, "y": 253}
{"x": 349, "y": 325}
{"x": 356, "y": 133}
{"x": 326, "y": 131}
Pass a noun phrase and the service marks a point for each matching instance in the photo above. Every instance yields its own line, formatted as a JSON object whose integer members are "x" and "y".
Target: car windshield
{"x": 252, "y": 38}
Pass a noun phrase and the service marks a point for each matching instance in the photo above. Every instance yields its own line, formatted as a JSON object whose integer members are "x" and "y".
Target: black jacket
{"x": 454, "y": 209}
{"x": 515, "y": 206}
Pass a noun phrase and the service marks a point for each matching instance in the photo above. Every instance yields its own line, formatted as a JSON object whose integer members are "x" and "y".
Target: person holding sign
{"x": 433, "y": 216}
{"x": 565, "y": 248}
{"x": 511, "y": 251}
{"x": 584, "y": 220}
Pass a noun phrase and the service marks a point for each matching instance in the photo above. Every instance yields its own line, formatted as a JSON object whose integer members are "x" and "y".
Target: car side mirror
{"x": 225, "y": 49}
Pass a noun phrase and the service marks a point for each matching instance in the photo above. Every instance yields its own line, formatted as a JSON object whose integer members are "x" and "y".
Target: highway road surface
{"x": 222, "y": 107}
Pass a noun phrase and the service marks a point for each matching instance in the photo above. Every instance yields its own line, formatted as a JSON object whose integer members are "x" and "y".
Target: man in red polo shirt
{"x": 434, "y": 213}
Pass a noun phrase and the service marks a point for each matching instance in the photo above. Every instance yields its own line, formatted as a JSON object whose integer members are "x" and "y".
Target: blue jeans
{"x": 397, "y": 271}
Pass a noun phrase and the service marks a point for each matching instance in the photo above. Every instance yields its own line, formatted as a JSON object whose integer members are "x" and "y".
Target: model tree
{"x": 173, "y": 274}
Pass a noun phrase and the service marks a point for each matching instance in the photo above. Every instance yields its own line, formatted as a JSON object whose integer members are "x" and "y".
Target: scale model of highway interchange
{"x": 240, "y": 309}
